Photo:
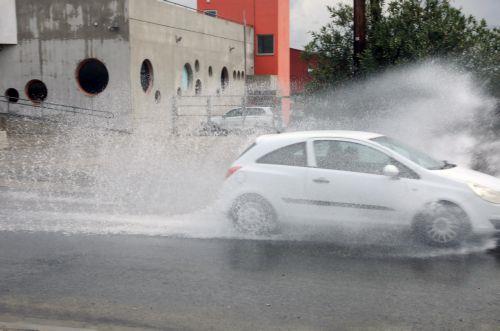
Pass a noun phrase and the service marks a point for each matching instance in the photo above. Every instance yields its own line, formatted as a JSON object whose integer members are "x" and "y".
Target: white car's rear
{"x": 326, "y": 177}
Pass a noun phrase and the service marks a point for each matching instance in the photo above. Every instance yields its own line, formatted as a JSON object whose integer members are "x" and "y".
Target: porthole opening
{"x": 92, "y": 76}
{"x": 157, "y": 96}
{"x": 197, "y": 65}
{"x": 36, "y": 91}
{"x": 198, "y": 87}
{"x": 224, "y": 78}
{"x": 210, "y": 71}
{"x": 146, "y": 75}
{"x": 187, "y": 78}
{"x": 12, "y": 95}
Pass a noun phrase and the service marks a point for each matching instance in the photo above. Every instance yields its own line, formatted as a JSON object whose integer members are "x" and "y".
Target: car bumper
{"x": 485, "y": 218}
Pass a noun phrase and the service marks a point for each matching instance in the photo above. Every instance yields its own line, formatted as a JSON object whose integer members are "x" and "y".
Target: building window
{"x": 224, "y": 78}
{"x": 197, "y": 66}
{"x": 198, "y": 87}
{"x": 146, "y": 75}
{"x": 36, "y": 90}
{"x": 210, "y": 71}
{"x": 265, "y": 44}
{"x": 211, "y": 12}
{"x": 157, "y": 96}
{"x": 12, "y": 95}
{"x": 234, "y": 75}
{"x": 239, "y": 75}
{"x": 187, "y": 77}
{"x": 92, "y": 76}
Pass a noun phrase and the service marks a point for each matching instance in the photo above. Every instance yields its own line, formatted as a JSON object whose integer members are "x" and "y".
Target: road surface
{"x": 165, "y": 283}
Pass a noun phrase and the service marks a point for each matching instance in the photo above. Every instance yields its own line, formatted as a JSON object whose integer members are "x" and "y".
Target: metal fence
{"x": 15, "y": 106}
{"x": 195, "y": 114}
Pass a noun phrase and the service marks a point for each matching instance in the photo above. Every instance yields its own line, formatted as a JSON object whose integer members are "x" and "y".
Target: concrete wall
{"x": 54, "y": 37}
{"x": 8, "y": 22}
{"x": 171, "y": 36}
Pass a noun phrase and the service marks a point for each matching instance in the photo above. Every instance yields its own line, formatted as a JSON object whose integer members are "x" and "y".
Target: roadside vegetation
{"x": 401, "y": 32}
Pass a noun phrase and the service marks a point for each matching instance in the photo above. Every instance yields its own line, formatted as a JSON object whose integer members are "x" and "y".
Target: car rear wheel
{"x": 442, "y": 225}
{"x": 252, "y": 214}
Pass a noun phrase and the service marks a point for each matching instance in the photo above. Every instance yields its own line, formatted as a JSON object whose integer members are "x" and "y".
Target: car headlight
{"x": 486, "y": 193}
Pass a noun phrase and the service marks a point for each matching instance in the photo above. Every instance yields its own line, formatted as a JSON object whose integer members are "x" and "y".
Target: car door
{"x": 346, "y": 184}
{"x": 254, "y": 117}
{"x": 233, "y": 119}
{"x": 281, "y": 179}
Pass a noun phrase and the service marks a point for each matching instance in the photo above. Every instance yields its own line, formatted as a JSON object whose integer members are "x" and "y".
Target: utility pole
{"x": 359, "y": 31}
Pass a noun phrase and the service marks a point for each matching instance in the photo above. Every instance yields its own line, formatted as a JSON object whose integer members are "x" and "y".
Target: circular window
{"x": 146, "y": 75}
{"x": 92, "y": 76}
{"x": 157, "y": 96}
{"x": 198, "y": 87}
{"x": 12, "y": 95}
{"x": 210, "y": 71}
{"x": 187, "y": 77}
{"x": 197, "y": 65}
{"x": 224, "y": 78}
{"x": 36, "y": 90}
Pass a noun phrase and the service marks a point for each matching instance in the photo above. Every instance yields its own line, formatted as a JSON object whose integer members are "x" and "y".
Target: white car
{"x": 323, "y": 177}
{"x": 247, "y": 119}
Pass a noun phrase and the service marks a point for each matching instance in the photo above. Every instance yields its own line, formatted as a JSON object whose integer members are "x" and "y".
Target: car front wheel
{"x": 252, "y": 214}
{"x": 442, "y": 224}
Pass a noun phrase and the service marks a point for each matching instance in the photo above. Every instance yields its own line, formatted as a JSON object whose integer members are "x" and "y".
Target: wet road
{"x": 221, "y": 284}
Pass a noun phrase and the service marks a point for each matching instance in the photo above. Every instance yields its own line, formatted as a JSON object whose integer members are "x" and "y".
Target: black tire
{"x": 252, "y": 214}
{"x": 442, "y": 225}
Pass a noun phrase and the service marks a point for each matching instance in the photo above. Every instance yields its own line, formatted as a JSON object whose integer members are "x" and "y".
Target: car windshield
{"x": 412, "y": 154}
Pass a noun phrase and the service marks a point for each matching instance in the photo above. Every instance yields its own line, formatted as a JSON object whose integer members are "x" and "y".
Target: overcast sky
{"x": 310, "y": 15}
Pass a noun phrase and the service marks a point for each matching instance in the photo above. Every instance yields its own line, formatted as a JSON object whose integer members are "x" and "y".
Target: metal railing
{"x": 188, "y": 109}
{"x": 50, "y": 108}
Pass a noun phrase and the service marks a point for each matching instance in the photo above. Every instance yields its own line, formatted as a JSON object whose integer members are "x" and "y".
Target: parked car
{"x": 249, "y": 119}
{"x": 324, "y": 177}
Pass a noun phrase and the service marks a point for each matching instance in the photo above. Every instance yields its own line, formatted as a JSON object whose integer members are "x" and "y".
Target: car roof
{"x": 303, "y": 135}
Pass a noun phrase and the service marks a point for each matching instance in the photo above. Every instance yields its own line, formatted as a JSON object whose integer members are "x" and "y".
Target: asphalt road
{"x": 148, "y": 282}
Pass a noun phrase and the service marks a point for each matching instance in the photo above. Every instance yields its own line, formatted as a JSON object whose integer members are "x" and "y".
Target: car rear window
{"x": 256, "y": 112}
{"x": 293, "y": 155}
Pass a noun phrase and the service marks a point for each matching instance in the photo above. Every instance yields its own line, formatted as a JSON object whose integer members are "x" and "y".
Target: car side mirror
{"x": 391, "y": 171}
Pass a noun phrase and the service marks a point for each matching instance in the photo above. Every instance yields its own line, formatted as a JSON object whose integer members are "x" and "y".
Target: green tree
{"x": 407, "y": 31}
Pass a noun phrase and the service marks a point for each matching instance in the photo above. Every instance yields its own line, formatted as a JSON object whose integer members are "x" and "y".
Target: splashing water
{"x": 153, "y": 183}
{"x": 430, "y": 106}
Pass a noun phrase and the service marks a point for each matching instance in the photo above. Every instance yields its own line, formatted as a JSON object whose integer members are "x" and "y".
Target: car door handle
{"x": 321, "y": 180}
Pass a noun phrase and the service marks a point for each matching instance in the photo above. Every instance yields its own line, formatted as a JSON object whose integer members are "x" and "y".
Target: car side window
{"x": 293, "y": 155}
{"x": 234, "y": 113}
{"x": 349, "y": 156}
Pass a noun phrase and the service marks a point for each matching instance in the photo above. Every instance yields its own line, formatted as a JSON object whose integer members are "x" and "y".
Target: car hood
{"x": 465, "y": 175}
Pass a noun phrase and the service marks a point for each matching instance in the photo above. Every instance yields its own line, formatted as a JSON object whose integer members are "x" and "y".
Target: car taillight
{"x": 232, "y": 170}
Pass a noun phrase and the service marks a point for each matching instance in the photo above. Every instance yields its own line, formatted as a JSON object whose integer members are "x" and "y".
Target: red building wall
{"x": 299, "y": 72}
{"x": 267, "y": 17}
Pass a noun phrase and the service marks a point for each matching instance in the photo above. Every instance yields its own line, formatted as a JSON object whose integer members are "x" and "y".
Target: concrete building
{"x": 127, "y": 57}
